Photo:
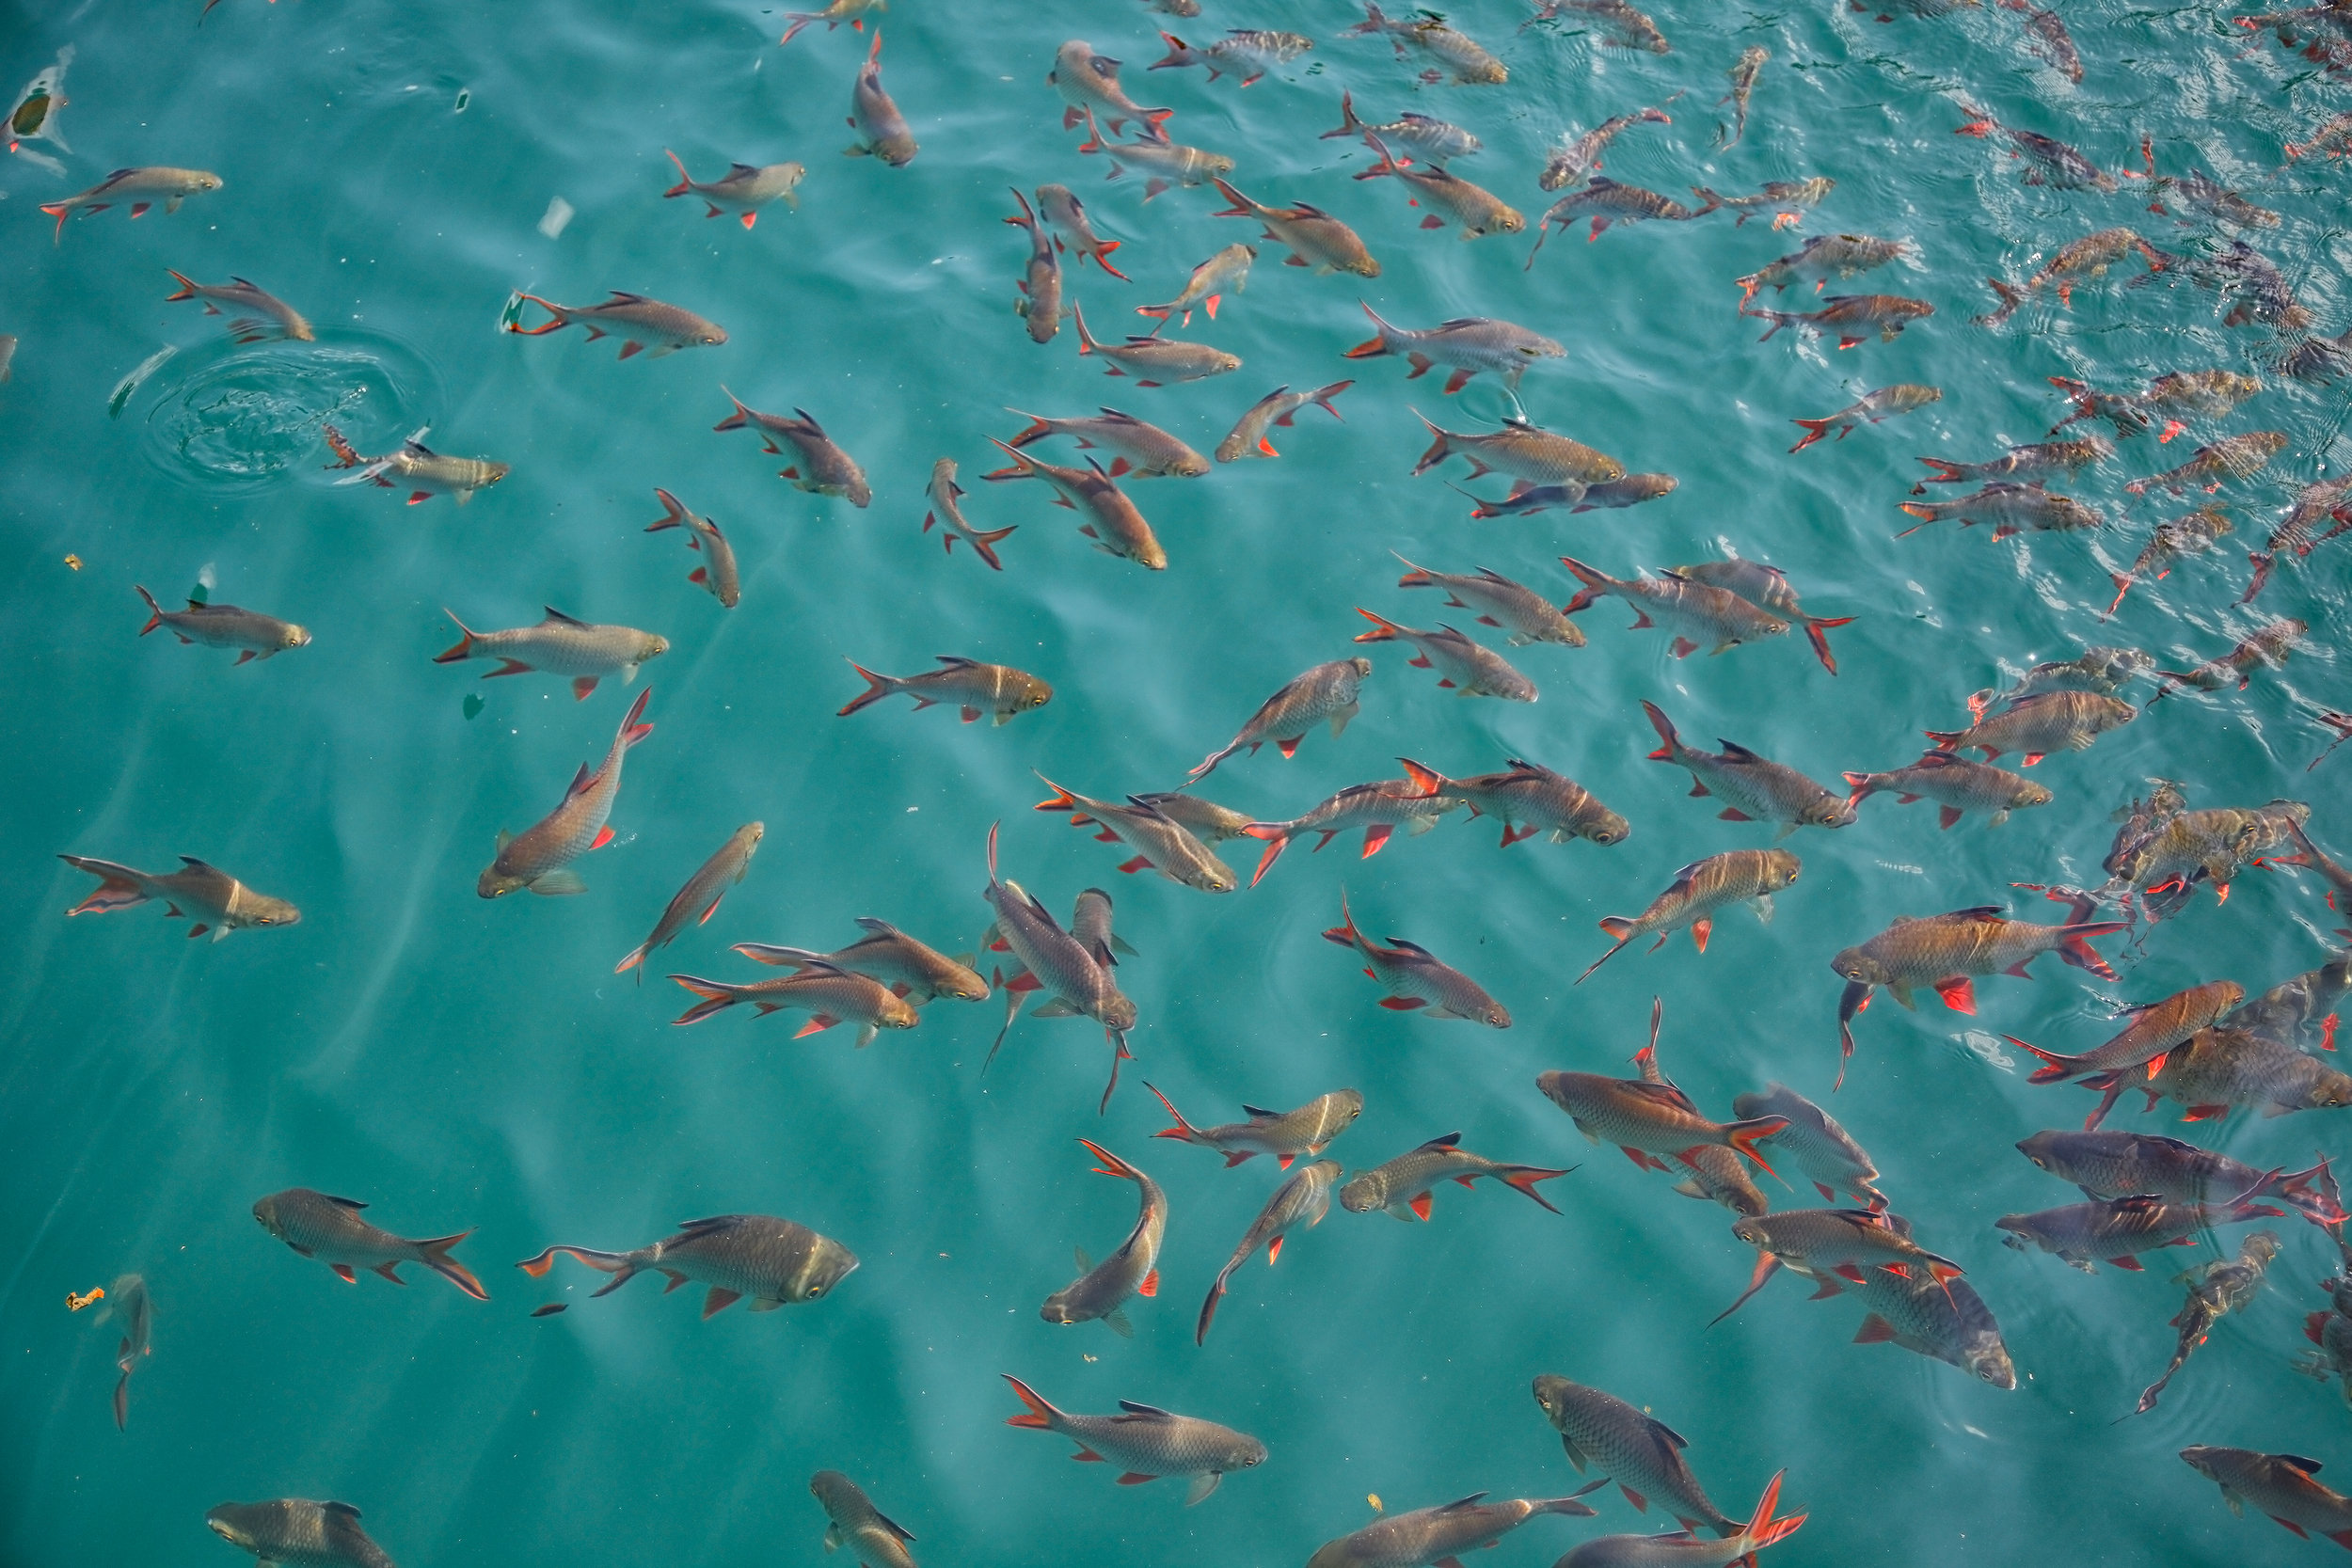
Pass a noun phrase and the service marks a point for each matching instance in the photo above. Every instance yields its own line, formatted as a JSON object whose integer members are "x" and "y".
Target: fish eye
{"x": 815, "y": 1290}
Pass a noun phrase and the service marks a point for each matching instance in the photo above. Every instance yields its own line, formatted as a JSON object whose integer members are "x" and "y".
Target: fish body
{"x": 330, "y": 1231}
{"x": 1414, "y": 803}
{"x": 745, "y": 188}
{"x": 873, "y": 1538}
{"x": 2120, "y": 1229}
{"x": 266, "y": 312}
{"x": 1753, "y": 788}
{"x": 2202, "y": 193}
{"x": 2290, "y": 1010}
{"x": 1642, "y": 1454}
{"x": 1247, "y": 439}
{"x": 1327, "y": 691}
{"x": 538, "y": 858}
{"x": 1848, "y": 1244}
{"x": 1315, "y": 238}
{"x": 141, "y": 187}
{"x": 717, "y": 573}
{"x": 1435, "y": 141}
{"x": 909, "y": 968}
{"x": 1529, "y": 455}
{"x": 1284, "y": 1134}
{"x": 2030, "y": 462}
{"x": 834, "y": 15}
{"x": 1823, "y": 1150}
{"x": 1146, "y": 1441}
{"x": 1647, "y": 1116}
{"x": 2201, "y": 846}
{"x": 1454, "y": 57}
{"x": 558, "y": 646}
{"x": 2332, "y": 139}
{"x": 1101, "y": 1290}
{"x": 773, "y": 1262}
{"x": 1574, "y": 158}
{"x": 1956, "y": 786}
{"x": 1302, "y": 1199}
{"x": 1769, "y": 590}
{"x": 1068, "y": 214}
{"x": 2011, "y": 509}
{"x": 1789, "y": 197}
{"x": 218, "y": 902}
{"x": 2257, "y": 291}
{"x": 2046, "y": 34}
{"x": 698, "y": 900}
{"x": 2191, "y": 533}
{"x": 2072, "y": 263}
{"x": 1248, "y": 52}
{"x": 640, "y": 324}
{"x": 1607, "y": 202}
{"x": 1880, "y": 403}
{"x": 2277, "y": 1484}
{"x": 1210, "y": 822}
{"x": 2155, "y": 1028}
{"x": 1945, "y": 1321}
{"x": 1165, "y": 162}
{"x": 1434, "y": 1535}
{"x": 2218, "y": 1069}
{"x": 297, "y": 1532}
{"x": 1157, "y": 360}
{"x": 1629, "y": 490}
{"x": 829, "y": 995}
{"x": 2233, "y": 457}
{"x": 425, "y": 472}
{"x": 881, "y": 131}
{"x": 1415, "y": 978}
{"x": 134, "y": 1309}
{"x": 967, "y": 684}
{"x": 829, "y": 470}
{"x": 1623, "y": 27}
{"x": 1744, "y": 73}
{"x": 1074, "y": 967}
{"x": 1701, "y": 614}
{"x": 1472, "y": 670}
{"x": 2061, "y": 721}
{"x": 2208, "y": 394}
{"x": 1748, "y": 876}
{"x": 1162, "y": 843}
{"x": 1089, "y": 83}
{"x": 1401, "y": 1186}
{"x": 1529, "y": 799}
{"x": 1225, "y": 271}
{"x": 1467, "y": 345}
{"x": 1682, "y": 1549}
{"x": 1115, "y": 523}
{"x": 1144, "y": 449}
{"x": 1477, "y": 210}
{"x": 2099, "y": 671}
{"x": 1823, "y": 258}
{"x": 2327, "y": 500}
{"x": 2265, "y": 647}
{"x": 253, "y": 634}
{"x": 2049, "y": 161}
{"x": 2108, "y": 1166}
{"x": 1853, "y": 317}
{"x": 1040, "y": 305}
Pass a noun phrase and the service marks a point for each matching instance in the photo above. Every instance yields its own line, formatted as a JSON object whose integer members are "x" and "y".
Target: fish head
{"x": 2332, "y": 1091}
{"x": 204, "y": 182}
{"x": 2022, "y": 1232}
{"x": 961, "y": 985}
{"x": 1216, "y": 877}
{"x": 265, "y": 1214}
{"x": 259, "y": 908}
{"x": 493, "y": 472}
{"x": 1217, "y": 163}
{"x": 897, "y": 1013}
{"x": 1033, "y": 693}
{"x": 1494, "y": 1015}
{"x": 1246, "y": 1454}
{"x": 1118, "y": 1014}
{"x": 1780, "y": 869}
{"x": 1345, "y": 1106}
{"x": 1366, "y": 266}
{"x": 2042, "y": 1148}
{"x": 1533, "y": 347}
{"x": 1368, "y": 1191}
{"x": 2032, "y": 794}
{"x": 857, "y": 492}
{"x": 654, "y": 646}
{"x": 1855, "y": 964}
{"x": 2211, "y": 1462}
{"x": 1554, "y": 1394}
{"x": 1984, "y": 1357}
{"x": 494, "y": 883}
{"x": 297, "y": 637}
{"x": 1751, "y": 1230}
{"x": 1829, "y": 811}
{"x": 1057, "y": 1310}
{"x": 234, "y": 1522}
{"x": 835, "y": 1491}
{"x": 829, "y": 1264}
{"x": 1604, "y": 827}
{"x": 1362, "y": 667}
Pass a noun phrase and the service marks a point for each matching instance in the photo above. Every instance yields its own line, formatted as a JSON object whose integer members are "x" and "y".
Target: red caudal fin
{"x": 1038, "y": 1413}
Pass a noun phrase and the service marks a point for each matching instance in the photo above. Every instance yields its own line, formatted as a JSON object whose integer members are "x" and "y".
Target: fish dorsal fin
{"x": 414, "y": 445}
{"x": 556, "y": 617}
{"x": 345, "y": 1509}
{"x": 956, "y": 662}
{"x": 347, "y": 1202}
{"x": 2138, "y": 1203}
{"x": 119, "y": 174}
{"x": 505, "y": 837}
{"x": 1977, "y": 911}
{"x": 738, "y": 171}
{"x": 1669, "y": 1433}
{"x": 1462, "y": 321}
{"x": 1460, "y": 1503}
{"x": 1122, "y": 417}
{"x": 195, "y": 864}
{"x": 713, "y": 1222}
{"x": 877, "y": 928}
{"x": 1085, "y": 1263}
{"x": 1733, "y": 749}
{"x": 580, "y": 782}
{"x": 1148, "y": 808}
{"x": 1672, "y": 575}
{"x": 1095, "y": 463}
{"x": 2309, "y": 1467}
{"x": 1131, "y": 1408}
{"x": 1413, "y": 947}
{"x": 817, "y": 964}
{"x": 2174, "y": 1146}
{"x": 1255, "y": 1111}
{"x": 810, "y": 419}
{"x": 1863, "y": 1216}
{"x": 1661, "y": 1091}
{"x": 1306, "y": 210}
{"x": 1449, "y": 1140}
{"x": 884, "y": 1520}
{"x": 622, "y": 296}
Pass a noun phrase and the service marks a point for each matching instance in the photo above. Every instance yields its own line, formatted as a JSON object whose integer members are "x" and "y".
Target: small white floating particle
{"x": 919, "y": 808}
{"x": 559, "y": 214}
{"x": 1988, "y": 1049}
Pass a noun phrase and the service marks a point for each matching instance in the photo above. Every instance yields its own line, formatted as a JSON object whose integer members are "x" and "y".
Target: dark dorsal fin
{"x": 810, "y": 419}
{"x": 1121, "y": 414}
{"x": 1738, "y": 752}
{"x": 876, "y": 927}
{"x": 956, "y": 662}
{"x": 1470, "y": 1502}
{"x": 580, "y": 780}
{"x": 2309, "y": 1467}
{"x": 892, "y": 1525}
{"x": 1462, "y": 321}
{"x": 1131, "y": 1408}
{"x": 1977, "y": 911}
{"x": 1306, "y": 210}
{"x": 346, "y": 1202}
{"x": 195, "y": 864}
{"x": 559, "y": 618}
{"x": 1413, "y": 947}
{"x": 622, "y": 296}
{"x": 738, "y": 171}
{"x": 345, "y": 1509}
{"x": 714, "y": 1222}
{"x": 1449, "y": 1140}
{"x": 1249, "y": 1110}
{"x": 1661, "y": 1091}
{"x": 1669, "y": 1433}
{"x": 1672, "y": 575}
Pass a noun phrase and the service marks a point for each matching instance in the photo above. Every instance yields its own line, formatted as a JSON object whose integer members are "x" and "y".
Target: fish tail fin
{"x": 1038, "y": 1413}
{"x": 1778, "y": 318}
{"x": 1038, "y": 428}
{"x": 738, "y": 419}
{"x": 2306, "y": 1191}
{"x": 636, "y": 957}
{"x": 2076, "y": 949}
{"x": 1945, "y": 473}
{"x": 1594, "y": 585}
{"x": 1087, "y": 343}
{"x": 983, "y": 545}
{"x": 434, "y": 1255}
{"x": 1665, "y": 728}
{"x": 1814, "y": 431}
{"x": 1182, "y": 1128}
{"x": 156, "y": 611}
{"x": 1278, "y": 839}
{"x": 2055, "y": 1069}
{"x": 1241, "y": 207}
{"x": 118, "y": 886}
{"x": 672, "y": 515}
{"x": 1762, "y": 1530}
{"x": 617, "y": 1264}
{"x": 1524, "y": 1179}
{"x": 464, "y": 648}
{"x": 2264, "y": 560}
{"x": 716, "y": 997}
{"x": 1744, "y": 1136}
{"x": 1383, "y": 629}
{"x": 1112, "y": 1165}
{"x": 1618, "y": 926}
{"x": 631, "y": 730}
{"x": 2122, "y": 581}
{"x": 1428, "y": 782}
{"x": 1344, "y": 933}
{"x": 2012, "y": 297}
{"x": 1216, "y": 1286}
{"x": 1376, "y": 345}
{"x": 556, "y": 317}
{"x": 877, "y": 686}
{"x": 1388, "y": 164}
{"x": 685, "y": 180}
{"x": 1440, "y": 448}
{"x": 1817, "y": 633}
{"x": 1321, "y": 396}
{"x": 1946, "y": 740}
{"x": 187, "y": 288}
{"x": 1178, "y": 54}
{"x": 1349, "y": 124}
{"x": 1094, "y": 142}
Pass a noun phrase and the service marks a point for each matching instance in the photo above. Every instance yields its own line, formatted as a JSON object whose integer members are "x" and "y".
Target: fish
{"x": 1160, "y": 360}
{"x": 2314, "y": 358}
{"x": 1040, "y": 305}
{"x": 1251, "y": 51}
{"x": 1716, "y": 1173}
{"x": 1472, "y": 670}
{"x": 1946, "y": 1321}
{"x": 2332, "y": 139}
{"x": 141, "y": 187}
{"x": 2191, "y": 533}
{"x": 745, "y": 188}
{"x": 1530, "y": 455}
{"x": 1629, "y": 490}
{"x": 1720, "y": 616}
{"x": 34, "y": 114}
{"x": 831, "y": 471}
{"x": 2332, "y": 1332}
{"x": 1682, "y": 1550}
{"x": 718, "y": 573}
{"x": 269, "y": 312}
{"x": 1836, "y": 1247}
{"x": 2290, "y": 1010}
{"x": 1146, "y": 1441}
{"x": 2177, "y": 851}
{"x": 1744, "y": 73}
{"x": 1400, "y": 1187}
{"x": 2256, "y": 290}
{"x": 2329, "y": 501}
{"x": 1072, "y": 967}
{"x": 2087, "y": 257}
{"x": 2120, "y": 1229}
{"x": 1114, "y": 522}
{"x": 2102, "y": 671}
{"x": 881, "y": 131}
{"x": 1414, "y": 803}
{"x": 1433, "y": 1535}
{"x": 295, "y": 1530}
{"x": 2266, "y": 646}
{"x": 2311, "y": 856}
{"x": 2155, "y": 1028}
{"x": 1946, "y": 951}
{"x": 1315, "y": 237}
{"x": 1466, "y": 344}
{"x": 2233, "y": 457}
{"x": 540, "y": 856}
{"x": 219, "y": 902}
{"x": 1414, "y": 977}
{"x": 1641, "y": 1453}
{"x": 945, "y": 495}
{"x": 642, "y": 323}
{"x": 973, "y": 687}
{"x": 2046, "y": 34}
{"x": 1624, "y": 27}
{"x": 1754, "y": 788}
{"x": 1790, "y": 196}
{"x": 1144, "y": 449}
{"x": 1101, "y": 1290}
{"x": 1608, "y": 202}
{"x": 2061, "y": 721}
{"x": 2218, "y": 1069}
{"x": 2209, "y": 394}
{"x": 1476, "y": 209}
{"x": 2277, "y": 1484}
{"x": 1087, "y": 81}
{"x": 728, "y": 864}
{"x": 1528, "y": 800}
{"x": 1284, "y": 1134}
{"x": 834, "y": 15}
{"x": 1769, "y": 590}
{"x": 1303, "y": 1198}
{"x": 1748, "y": 876}
{"x": 1436, "y": 141}
{"x": 426, "y": 472}
{"x": 330, "y": 1229}
{"x": 2108, "y": 1166}
{"x": 1229, "y": 269}
{"x": 1853, "y": 317}
{"x": 1162, "y": 843}
{"x": 1454, "y": 57}
{"x": 1247, "y": 439}
{"x": 1956, "y": 786}
{"x": 1882, "y": 403}
{"x": 1168, "y": 163}
{"x": 829, "y": 995}
{"x": 1823, "y": 1151}
{"x": 253, "y": 634}
{"x": 1574, "y": 158}
{"x": 776, "y": 1262}
{"x": 1326, "y": 691}
{"x": 1068, "y": 214}
{"x": 558, "y": 646}
{"x": 2011, "y": 509}
{"x": 128, "y": 1301}
{"x": 909, "y": 969}
{"x": 2049, "y": 161}
{"x": 1826, "y": 257}
{"x": 2202, "y": 193}
{"x": 874, "y": 1539}
{"x": 1646, "y": 1117}
{"x": 1210, "y": 822}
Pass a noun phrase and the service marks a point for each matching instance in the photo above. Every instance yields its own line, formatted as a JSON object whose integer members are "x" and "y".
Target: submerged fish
{"x": 1789, "y": 196}
{"x": 1074, "y": 967}
{"x": 1087, "y": 81}
{"x": 1574, "y": 158}
{"x": 831, "y": 471}
{"x": 330, "y": 1231}
{"x": 1943, "y": 1320}
{"x": 1144, "y": 449}
{"x": 1168, "y": 163}
{"x": 1681, "y": 1549}
{"x": 1229, "y": 269}
{"x": 745, "y": 188}
{"x": 253, "y": 634}
{"x": 1414, "y": 803}
{"x": 773, "y": 1262}
{"x": 1607, "y": 202}
{"x": 1956, "y": 786}
{"x": 1433, "y": 139}
{"x": 1642, "y": 1454}
{"x": 1247, "y": 439}
{"x": 128, "y": 1301}
{"x": 1454, "y": 57}
{"x": 909, "y": 968}
{"x": 2191, "y": 533}
{"x": 1744, "y": 73}
{"x": 852, "y": 1520}
{"x": 540, "y": 856}
{"x": 2065, "y": 720}
{"x": 834, "y": 15}
{"x": 2233, "y": 457}
{"x": 1478, "y": 211}
{"x": 141, "y": 187}
{"x": 1882, "y": 403}
{"x": 881, "y": 131}
{"x": 1824, "y": 1151}
{"x": 1528, "y": 800}
{"x": 1720, "y": 616}
{"x": 1433, "y": 1535}
{"x": 718, "y": 573}
{"x": 1527, "y": 615}
{"x": 1101, "y": 1290}
{"x": 2155, "y": 1028}
{"x": 1160, "y": 360}
{"x": 728, "y": 864}
{"x": 1748, "y": 876}
{"x": 2029, "y": 462}
{"x": 426, "y": 472}
{"x": 1146, "y": 1441}
{"x": 1472, "y": 670}
{"x": 1115, "y": 523}
{"x": 2102, "y": 671}
{"x": 558, "y": 646}
{"x": 2011, "y": 509}
{"x": 1754, "y": 788}
{"x": 1327, "y": 691}
{"x": 1163, "y": 844}
{"x": 1825, "y": 257}
{"x": 1767, "y": 588}
{"x": 828, "y": 994}
{"x": 1853, "y": 317}
{"x": 2049, "y": 161}
{"x": 268, "y": 312}
{"x": 2326, "y": 500}
{"x": 642, "y": 323}
{"x": 1531, "y": 456}
{"x": 1415, "y": 978}
{"x": 219, "y": 902}
{"x": 969, "y": 685}
{"x": 2216, "y": 1289}
{"x": 1068, "y": 214}
{"x": 1400, "y": 1188}
{"x": 1251, "y": 51}
{"x": 2267, "y": 646}
{"x": 1305, "y": 1198}
{"x": 1040, "y": 304}
{"x": 1284, "y": 1134}
{"x": 1623, "y": 27}
{"x": 2277, "y": 1484}
{"x": 2120, "y": 1229}
{"x": 1467, "y": 345}
{"x": 1315, "y": 237}
{"x": 295, "y": 1530}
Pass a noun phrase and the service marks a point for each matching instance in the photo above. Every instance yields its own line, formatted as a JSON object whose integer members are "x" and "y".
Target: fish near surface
{"x": 1146, "y": 1442}
{"x": 295, "y": 1530}
{"x": 2155, "y": 1028}
{"x": 2267, "y": 646}
{"x": 1607, "y": 202}
{"x": 1470, "y": 344}
{"x": 1326, "y": 691}
{"x": 1530, "y": 455}
{"x": 644, "y": 325}
{"x": 909, "y": 968}
{"x": 253, "y": 634}
{"x": 1161, "y": 360}
{"x": 2103, "y": 670}
{"x": 1457, "y": 57}
{"x": 1642, "y": 1454}
{"x": 2232, "y": 457}
{"x": 2218, "y": 1070}
{"x": 1144, "y": 449}
{"x": 2120, "y": 1229}
{"x": 141, "y": 187}
{"x": 2120, "y": 1164}
{"x": 1698, "y": 889}
{"x": 1303, "y": 1198}
{"x": 1943, "y": 1320}
{"x": 1315, "y": 238}
{"x": 1251, "y": 52}
{"x": 1040, "y": 305}
{"x": 1528, "y": 800}
{"x": 881, "y": 131}
{"x": 1087, "y": 81}
{"x": 728, "y": 864}
{"x": 1627, "y": 28}
{"x": 1163, "y": 844}
{"x": 1433, "y": 1535}
{"x": 743, "y": 190}
{"x": 219, "y": 902}
{"x": 1068, "y": 214}
{"x": 1469, "y": 669}
{"x": 1227, "y": 270}
{"x": 330, "y": 1231}
{"x": 1168, "y": 163}
{"x": 1824, "y": 1151}
{"x": 967, "y": 684}
{"x": 1647, "y": 1116}
{"x": 829, "y": 995}
{"x": 2061, "y": 721}
{"x": 874, "y": 1539}
{"x": 1880, "y": 403}
{"x": 2191, "y": 533}
{"x": 1744, "y": 74}
{"x": 1248, "y": 439}
{"x": 1477, "y": 210}
{"x": 834, "y": 15}
{"x": 2049, "y": 161}
{"x": 1956, "y": 786}
{"x": 1574, "y": 158}
{"x": 1792, "y": 197}
{"x": 1284, "y": 1134}
{"x": 1101, "y": 1290}
{"x": 1415, "y": 978}
{"x": 1115, "y": 523}
{"x": 1717, "y": 615}
{"x": 538, "y": 858}
{"x": 776, "y": 1262}
{"x": 1754, "y": 788}
{"x": 1855, "y": 317}
{"x": 1823, "y": 258}
{"x": 1400, "y": 1187}
{"x": 1435, "y": 140}
{"x": 1074, "y": 967}
{"x": 718, "y": 573}
{"x": 829, "y": 470}
{"x": 558, "y": 646}
{"x": 1210, "y": 822}
{"x": 1836, "y": 1247}
{"x": 2279, "y": 1486}
{"x": 1684, "y": 1549}
{"x": 1414, "y": 803}
{"x": 1769, "y": 590}
{"x": 425, "y": 473}
{"x": 2216, "y": 1289}
{"x": 267, "y": 312}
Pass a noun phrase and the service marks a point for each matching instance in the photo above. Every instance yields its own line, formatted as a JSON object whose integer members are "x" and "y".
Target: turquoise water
{"x": 465, "y": 1064}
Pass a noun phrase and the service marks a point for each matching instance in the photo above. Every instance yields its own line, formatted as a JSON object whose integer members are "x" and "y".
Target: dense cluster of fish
{"x": 2210, "y": 1048}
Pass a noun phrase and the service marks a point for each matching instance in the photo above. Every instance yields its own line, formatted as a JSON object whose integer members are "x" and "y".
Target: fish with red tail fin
{"x": 1302, "y": 1199}
{"x": 743, "y": 190}
{"x": 1415, "y": 978}
{"x": 1072, "y": 226}
{"x": 1823, "y": 1151}
{"x": 1956, "y": 786}
{"x": 1325, "y": 692}
{"x": 1401, "y": 1187}
{"x": 1283, "y": 1134}
{"x": 1748, "y": 876}
{"x": 1101, "y": 1290}
{"x": 1883, "y": 403}
{"x": 2155, "y": 1028}
{"x": 1163, "y": 844}
{"x": 2279, "y": 1486}
{"x": 1467, "y": 345}
{"x": 827, "y": 994}
{"x": 730, "y": 863}
{"x": 539, "y": 858}
{"x": 775, "y": 1262}
{"x": 1648, "y": 1117}
{"x": 1073, "y": 968}
{"x": 643, "y": 324}
{"x": 1641, "y": 1453}
{"x": 1527, "y": 800}
{"x": 1472, "y": 670}
{"x": 218, "y": 902}
{"x": 1753, "y": 788}
{"x": 1650, "y": 1551}
{"x": 1433, "y": 1535}
{"x": 1146, "y": 1441}
{"x": 1414, "y": 803}
{"x": 2120, "y": 1229}
{"x": 330, "y": 1231}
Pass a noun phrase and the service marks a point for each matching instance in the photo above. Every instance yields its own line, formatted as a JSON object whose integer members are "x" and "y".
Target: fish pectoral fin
{"x": 1201, "y": 1486}
{"x": 1116, "y": 1321}
{"x": 764, "y": 1303}
{"x": 1136, "y": 1478}
{"x": 718, "y": 1300}
{"x": 343, "y": 1272}
{"x": 1875, "y": 1330}
{"x": 389, "y": 1270}
{"x": 558, "y": 884}
{"x": 1056, "y": 1008}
